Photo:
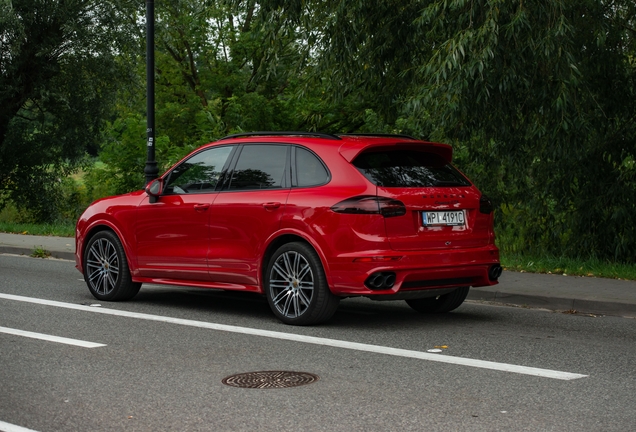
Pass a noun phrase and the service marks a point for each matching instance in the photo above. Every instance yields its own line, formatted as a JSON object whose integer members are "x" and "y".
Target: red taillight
{"x": 369, "y": 204}
{"x": 391, "y": 207}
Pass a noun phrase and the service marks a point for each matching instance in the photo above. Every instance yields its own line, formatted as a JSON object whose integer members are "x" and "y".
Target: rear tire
{"x": 440, "y": 304}
{"x": 106, "y": 269}
{"x": 296, "y": 286}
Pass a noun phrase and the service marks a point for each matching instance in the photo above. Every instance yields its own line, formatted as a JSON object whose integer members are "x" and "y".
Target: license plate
{"x": 443, "y": 218}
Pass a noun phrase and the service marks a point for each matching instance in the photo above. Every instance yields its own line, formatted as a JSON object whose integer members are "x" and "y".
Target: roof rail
{"x": 380, "y": 135}
{"x": 279, "y": 133}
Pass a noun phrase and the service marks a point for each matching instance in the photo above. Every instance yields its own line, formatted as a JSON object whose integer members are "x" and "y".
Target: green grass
{"x": 40, "y": 252}
{"x": 568, "y": 266}
{"x": 55, "y": 229}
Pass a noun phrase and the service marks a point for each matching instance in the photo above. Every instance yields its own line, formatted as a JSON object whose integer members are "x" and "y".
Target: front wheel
{"x": 440, "y": 304}
{"x": 296, "y": 286}
{"x": 106, "y": 270}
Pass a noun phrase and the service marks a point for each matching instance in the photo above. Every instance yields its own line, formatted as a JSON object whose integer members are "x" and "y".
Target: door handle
{"x": 271, "y": 205}
{"x": 201, "y": 207}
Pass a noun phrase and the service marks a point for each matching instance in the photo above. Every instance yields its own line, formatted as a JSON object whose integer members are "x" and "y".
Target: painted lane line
{"x": 50, "y": 338}
{"x": 545, "y": 373}
{"x": 8, "y": 427}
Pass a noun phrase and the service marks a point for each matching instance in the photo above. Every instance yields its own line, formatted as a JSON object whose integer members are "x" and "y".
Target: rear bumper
{"x": 415, "y": 272}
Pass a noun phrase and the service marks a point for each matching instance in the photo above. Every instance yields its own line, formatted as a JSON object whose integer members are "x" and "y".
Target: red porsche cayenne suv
{"x": 305, "y": 219}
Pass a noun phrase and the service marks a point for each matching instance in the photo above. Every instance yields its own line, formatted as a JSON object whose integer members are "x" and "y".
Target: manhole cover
{"x": 270, "y": 379}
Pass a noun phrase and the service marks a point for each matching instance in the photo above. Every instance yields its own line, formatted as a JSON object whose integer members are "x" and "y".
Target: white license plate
{"x": 444, "y": 218}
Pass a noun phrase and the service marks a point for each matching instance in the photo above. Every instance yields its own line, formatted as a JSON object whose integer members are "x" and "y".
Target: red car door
{"x": 172, "y": 234}
{"x": 247, "y": 213}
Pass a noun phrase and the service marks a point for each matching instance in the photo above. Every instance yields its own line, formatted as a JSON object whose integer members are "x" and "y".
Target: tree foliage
{"x": 57, "y": 63}
{"x": 544, "y": 93}
{"x": 538, "y": 97}
{"x": 219, "y": 70}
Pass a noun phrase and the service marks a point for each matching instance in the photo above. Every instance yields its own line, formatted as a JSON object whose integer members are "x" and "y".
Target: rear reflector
{"x": 377, "y": 259}
{"x": 369, "y": 204}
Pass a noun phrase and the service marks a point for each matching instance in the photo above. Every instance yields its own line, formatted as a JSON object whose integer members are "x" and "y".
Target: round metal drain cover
{"x": 270, "y": 379}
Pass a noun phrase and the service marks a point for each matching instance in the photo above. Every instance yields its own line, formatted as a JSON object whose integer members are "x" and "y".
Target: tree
{"x": 57, "y": 64}
{"x": 220, "y": 69}
{"x": 544, "y": 94}
{"x": 538, "y": 98}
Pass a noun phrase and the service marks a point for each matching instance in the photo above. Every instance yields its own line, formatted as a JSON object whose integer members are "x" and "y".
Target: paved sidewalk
{"x": 59, "y": 247}
{"x": 554, "y": 292}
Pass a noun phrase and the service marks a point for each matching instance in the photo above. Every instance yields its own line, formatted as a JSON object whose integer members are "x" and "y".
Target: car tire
{"x": 440, "y": 304}
{"x": 106, "y": 270}
{"x": 296, "y": 286}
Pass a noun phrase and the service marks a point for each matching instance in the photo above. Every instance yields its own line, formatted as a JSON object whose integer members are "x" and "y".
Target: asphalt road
{"x": 164, "y": 354}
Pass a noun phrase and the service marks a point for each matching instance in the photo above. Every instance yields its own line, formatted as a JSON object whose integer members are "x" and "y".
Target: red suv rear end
{"x": 305, "y": 219}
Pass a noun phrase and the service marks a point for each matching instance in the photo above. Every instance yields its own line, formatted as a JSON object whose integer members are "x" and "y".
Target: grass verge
{"x": 568, "y": 266}
{"x": 56, "y": 229}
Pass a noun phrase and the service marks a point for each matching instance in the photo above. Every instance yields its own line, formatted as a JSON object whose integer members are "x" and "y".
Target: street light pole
{"x": 151, "y": 169}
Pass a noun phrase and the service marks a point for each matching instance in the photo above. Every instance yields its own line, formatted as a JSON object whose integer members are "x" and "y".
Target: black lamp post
{"x": 151, "y": 169}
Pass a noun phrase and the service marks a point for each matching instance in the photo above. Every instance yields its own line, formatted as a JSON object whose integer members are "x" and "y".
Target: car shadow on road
{"x": 208, "y": 301}
{"x": 359, "y": 313}
{"x": 372, "y": 314}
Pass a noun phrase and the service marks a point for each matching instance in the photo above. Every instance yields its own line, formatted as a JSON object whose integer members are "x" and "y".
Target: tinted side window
{"x": 408, "y": 168}
{"x": 309, "y": 169}
{"x": 200, "y": 173}
{"x": 260, "y": 166}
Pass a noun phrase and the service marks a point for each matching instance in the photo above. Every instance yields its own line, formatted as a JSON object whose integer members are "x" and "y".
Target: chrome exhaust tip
{"x": 380, "y": 281}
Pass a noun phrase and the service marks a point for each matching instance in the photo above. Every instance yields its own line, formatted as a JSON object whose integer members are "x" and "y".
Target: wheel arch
{"x": 97, "y": 228}
{"x": 288, "y": 237}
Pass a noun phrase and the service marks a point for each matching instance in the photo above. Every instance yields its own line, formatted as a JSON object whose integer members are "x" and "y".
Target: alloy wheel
{"x": 102, "y": 266}
{"x": 291, "y": 284}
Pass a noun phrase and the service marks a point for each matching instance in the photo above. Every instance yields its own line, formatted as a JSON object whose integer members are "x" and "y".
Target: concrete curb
{"x": 27, "y": 252}
{"x": 595, "y": 307}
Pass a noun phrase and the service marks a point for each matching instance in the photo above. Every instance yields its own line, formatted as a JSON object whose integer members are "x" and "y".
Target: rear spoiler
{"x": 350, "y": 150}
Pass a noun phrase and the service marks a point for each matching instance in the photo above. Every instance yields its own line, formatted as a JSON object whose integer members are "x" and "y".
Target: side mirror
{"x": 154, "y": 189}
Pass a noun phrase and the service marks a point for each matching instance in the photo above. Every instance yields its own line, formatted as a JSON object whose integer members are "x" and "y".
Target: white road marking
{"x": 8, "y": 427}
{"x": 50, "y": 338}
{"x": 545, "y": 373}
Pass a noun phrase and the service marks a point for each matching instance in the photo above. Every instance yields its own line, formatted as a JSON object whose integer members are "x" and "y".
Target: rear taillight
{"x": 369, "y": 204}
{"x": 485, "y": 205}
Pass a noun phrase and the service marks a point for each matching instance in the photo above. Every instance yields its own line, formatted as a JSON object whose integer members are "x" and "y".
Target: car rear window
{"x": 408, "y": 168}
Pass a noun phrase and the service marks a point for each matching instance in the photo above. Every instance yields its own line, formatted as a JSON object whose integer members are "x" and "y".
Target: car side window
{"x": 200, "y": 173}
{"x": 260, "y": 166}
{"x": 310, "y": 171}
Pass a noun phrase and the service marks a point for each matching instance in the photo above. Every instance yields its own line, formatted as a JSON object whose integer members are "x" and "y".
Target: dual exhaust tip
{"x": 380, "y": 281}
